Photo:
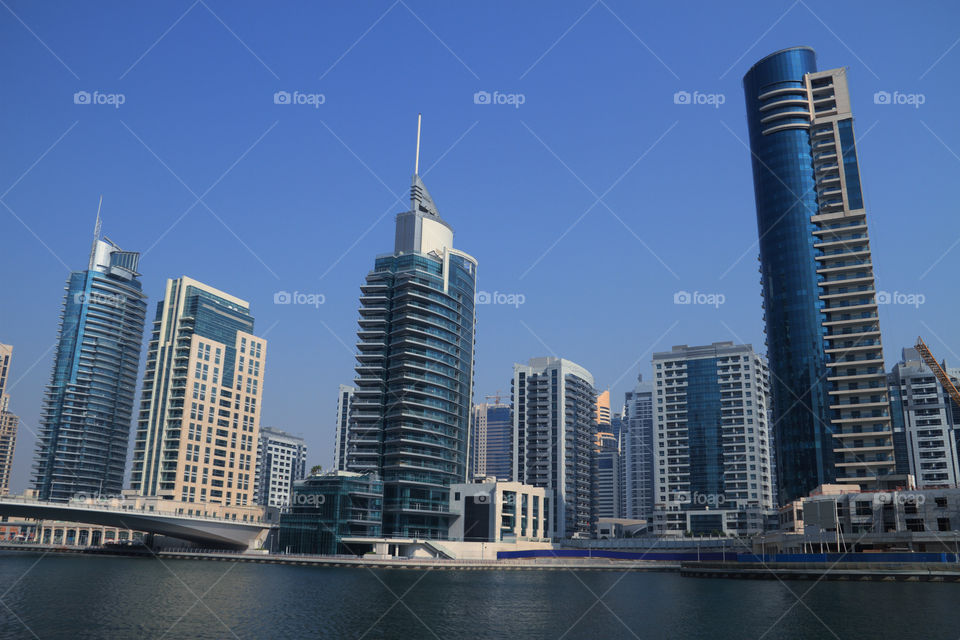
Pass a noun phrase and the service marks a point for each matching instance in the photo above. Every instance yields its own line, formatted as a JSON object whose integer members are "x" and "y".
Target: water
{"x": 78, "y": 597}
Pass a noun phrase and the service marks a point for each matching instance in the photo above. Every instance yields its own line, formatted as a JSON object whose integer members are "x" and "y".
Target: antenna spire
{"x": 416, "y": 164}
{"x": 96, "y": 236}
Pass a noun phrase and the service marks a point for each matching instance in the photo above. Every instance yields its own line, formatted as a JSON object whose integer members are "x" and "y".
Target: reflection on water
{"x": 96, "y": 597}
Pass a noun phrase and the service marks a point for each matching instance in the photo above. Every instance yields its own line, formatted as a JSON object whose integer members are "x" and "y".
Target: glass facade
{"x": 326, "y": 508}
{"x": 88, "y": 405}
{"x": 705, "y": 428}
{"x": 410, "y": 413}
{"x": 786, "y": 199}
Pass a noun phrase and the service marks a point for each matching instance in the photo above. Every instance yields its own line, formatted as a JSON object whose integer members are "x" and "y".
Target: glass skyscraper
{"x": 491, "y": 441}
{"x": 831, "y": 411}
{"x": 637, "y": 446}
{"x": 411, "y": 408}
{"x": 88, "y": 405}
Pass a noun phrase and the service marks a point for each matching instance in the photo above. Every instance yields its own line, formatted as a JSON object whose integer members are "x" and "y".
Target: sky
{"x": 266, "y": 147}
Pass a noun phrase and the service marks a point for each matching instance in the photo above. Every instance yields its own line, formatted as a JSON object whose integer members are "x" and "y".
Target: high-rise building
{"x": 8, "y": 421}
{"x": 710, "y": 422}
{"x": 200, "y": 407}
{"x": 491, "y": 441}
{"x": 603, "y": 411}
{"x": 342, "y": 438}
{"x": 281, "y": 461}
{"x": 411, "y": 409}
{"x": 931, "y": 421}
{"x": 554, "y": 426}
{"x": 88, "y": 405}
{"x": 606, "y": 475}
{"x": 832, "y": 414}
{"x": 638, "y": 462}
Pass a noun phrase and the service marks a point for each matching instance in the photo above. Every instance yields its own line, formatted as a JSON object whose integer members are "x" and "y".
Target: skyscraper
{"x": 931, "y": 421}
{"x": 832, "y": 415}
{"x": 491, "y": 441}
{"x": 281, "y": 461}
{"x": 342, "y": 438}
{"x": 603, "y": 411}
{"x": 200, "y": 407}
{"x": 554, "y": 427}
{"x": 8, "y": 421}
{"x": 88, "y": 405}
{"x": 637, "y": 447}
{"x": 710, "y": 423}
{"x": 606, "y": 477}
{"x": 411, "y": 409}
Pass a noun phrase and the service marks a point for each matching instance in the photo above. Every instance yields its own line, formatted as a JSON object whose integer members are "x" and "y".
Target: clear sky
{"x": 581, "y": 186}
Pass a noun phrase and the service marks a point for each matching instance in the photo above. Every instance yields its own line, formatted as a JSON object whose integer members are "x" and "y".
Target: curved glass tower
{"x": 88, "y": 405}
{"x": 411, "y": 409}
{"x": 831, "y": 410}
{"x": 778, "y": 117}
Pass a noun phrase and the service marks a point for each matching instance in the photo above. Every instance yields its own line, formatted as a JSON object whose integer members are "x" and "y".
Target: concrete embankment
{"x": 848, "y": 571}
{"x": 417, "y": 564}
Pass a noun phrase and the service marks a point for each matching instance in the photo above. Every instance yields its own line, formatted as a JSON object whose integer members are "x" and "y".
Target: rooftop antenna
{"x": 96, "y": 235}
{"x": 416, "y": 164}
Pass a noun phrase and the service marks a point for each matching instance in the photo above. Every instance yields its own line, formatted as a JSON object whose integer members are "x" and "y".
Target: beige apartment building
{"x": 8, "y": 421}
{"x": 199, "y": 419}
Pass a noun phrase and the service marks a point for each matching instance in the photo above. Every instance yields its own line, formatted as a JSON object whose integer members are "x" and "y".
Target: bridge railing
{"x": 129, "y": 509}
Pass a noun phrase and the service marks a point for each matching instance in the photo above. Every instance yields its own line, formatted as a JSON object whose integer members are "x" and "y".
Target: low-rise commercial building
{"x": 328, "y": 507}
{"x": 490, "y": 511}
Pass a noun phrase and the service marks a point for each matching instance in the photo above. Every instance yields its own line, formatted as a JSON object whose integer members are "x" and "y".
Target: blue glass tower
{"x": 88, "y": 405}
{"x": 411, "y": 409}
{"x": 831, "y": 406}
{"x": 786, "y": 198}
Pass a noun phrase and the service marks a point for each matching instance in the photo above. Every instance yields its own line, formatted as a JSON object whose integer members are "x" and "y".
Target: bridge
{"x": 206, "y": 531}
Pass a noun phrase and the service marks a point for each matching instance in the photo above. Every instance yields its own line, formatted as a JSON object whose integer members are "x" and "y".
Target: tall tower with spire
{"x": 88, "y": 405}
{"x": 411, "y": 409}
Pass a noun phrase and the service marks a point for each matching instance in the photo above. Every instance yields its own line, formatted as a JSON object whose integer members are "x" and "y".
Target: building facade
{"x": 823, "y": 335}
{"x": 638, "y": 458}
{"x": 491, "y": 441}
{"x": 8, "y": 421}
{"x": 606, "y": 476}
{"x": 200, "y": 407}
{"x": 930, "y": 421}
{"x": 712, "y": 436}
{"x": 489, "y": 510}
{"x": 328, "y": 507}
{"x": 410, "y": 413}
{"x": 342, "y": 429}
{"x": 88, "y": 405}
{"x": 281, "y": 461}
{"x": 554, "y": 426}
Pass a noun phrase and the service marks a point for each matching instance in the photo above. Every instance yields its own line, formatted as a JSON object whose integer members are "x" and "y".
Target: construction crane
{"x": 938, "y": 371}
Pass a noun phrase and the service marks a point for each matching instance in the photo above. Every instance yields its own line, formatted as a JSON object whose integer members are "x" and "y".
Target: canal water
{"x": 77, "y": 597}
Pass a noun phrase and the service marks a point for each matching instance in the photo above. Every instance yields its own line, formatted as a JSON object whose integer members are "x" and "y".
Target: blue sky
{"x": 596, "y": 199}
